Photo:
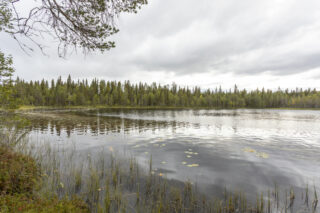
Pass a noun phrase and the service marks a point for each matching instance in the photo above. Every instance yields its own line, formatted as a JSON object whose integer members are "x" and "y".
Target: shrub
{"x": 18, "y": 173}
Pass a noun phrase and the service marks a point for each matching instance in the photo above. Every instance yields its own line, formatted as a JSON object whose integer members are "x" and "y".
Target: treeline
{"x": 115, "y": 93}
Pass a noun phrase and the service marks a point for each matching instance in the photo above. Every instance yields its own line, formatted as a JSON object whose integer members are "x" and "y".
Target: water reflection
{"x": 243, "y": 149}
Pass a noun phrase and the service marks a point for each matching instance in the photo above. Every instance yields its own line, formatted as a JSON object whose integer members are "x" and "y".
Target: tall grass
{"x": 108, "y": 183}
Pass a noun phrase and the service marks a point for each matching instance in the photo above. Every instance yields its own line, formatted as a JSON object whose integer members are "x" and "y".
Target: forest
{"x": 115, "y": 93}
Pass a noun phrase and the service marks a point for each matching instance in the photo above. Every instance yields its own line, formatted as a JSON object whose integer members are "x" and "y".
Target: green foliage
{"x": 113, "y": 93}
{"x": 6, "y": 69}
{"x": 18, "y": 173}
{"x": 7, "y": 98}
{"x": 5, "y": 17}
{"x": 6, "y": 84}
{"x": 33, "y": 204}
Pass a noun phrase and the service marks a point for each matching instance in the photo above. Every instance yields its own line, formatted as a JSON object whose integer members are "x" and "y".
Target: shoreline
{"x": 31, "y": 108}
{"x": 27, "y": 109}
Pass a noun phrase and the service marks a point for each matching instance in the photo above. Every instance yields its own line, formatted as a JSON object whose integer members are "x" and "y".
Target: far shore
{"x": 26, "y": 108}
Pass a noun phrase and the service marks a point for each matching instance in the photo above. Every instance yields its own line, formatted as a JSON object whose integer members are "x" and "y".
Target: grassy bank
{"x": 36, "y": 177}
{"x": 28, "y": 108}
{"x": 20, "y": 179}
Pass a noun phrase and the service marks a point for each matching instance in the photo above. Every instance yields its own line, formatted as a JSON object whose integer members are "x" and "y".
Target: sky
{"x": 206, "y": 43}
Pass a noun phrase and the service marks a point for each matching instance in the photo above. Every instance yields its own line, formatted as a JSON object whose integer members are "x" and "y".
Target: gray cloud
{"x": 223, "y": 36}
{"x": 189, "y": 37}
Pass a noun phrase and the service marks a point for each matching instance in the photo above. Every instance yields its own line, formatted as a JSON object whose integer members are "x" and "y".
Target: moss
{"x": 27, "y": 203}
{"x": 18, "y": 173}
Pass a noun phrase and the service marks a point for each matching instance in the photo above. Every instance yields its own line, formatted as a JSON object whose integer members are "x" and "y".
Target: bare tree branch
{"x": 84, "y": 24}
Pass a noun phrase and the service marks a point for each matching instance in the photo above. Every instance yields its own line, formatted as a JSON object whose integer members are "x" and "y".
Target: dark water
{"x": 246, "y": 150}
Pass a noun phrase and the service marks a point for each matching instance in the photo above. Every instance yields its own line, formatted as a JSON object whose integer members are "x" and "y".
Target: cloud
{"x": 173, "y": 40}
{"x": 240, "y": 37}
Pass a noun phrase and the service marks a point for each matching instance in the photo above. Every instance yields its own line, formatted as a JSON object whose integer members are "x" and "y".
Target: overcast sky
{"x": 250, "y": 43}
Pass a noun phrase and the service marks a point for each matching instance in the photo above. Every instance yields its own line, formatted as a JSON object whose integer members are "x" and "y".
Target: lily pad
{"x": 262, "y": 155}
{"x": 193, "y": 165}
{"x": 247, "y": 149}
{"x": 258, "y": 154}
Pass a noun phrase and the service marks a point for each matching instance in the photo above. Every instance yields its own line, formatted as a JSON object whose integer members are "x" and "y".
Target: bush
{"x": 18, "y": 173}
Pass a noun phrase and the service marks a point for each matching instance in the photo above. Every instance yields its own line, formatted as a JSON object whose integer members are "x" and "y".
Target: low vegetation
{"x": 19, "y": 178}
{"x": 19, "y": 173}
{"x": 25, "y": 203}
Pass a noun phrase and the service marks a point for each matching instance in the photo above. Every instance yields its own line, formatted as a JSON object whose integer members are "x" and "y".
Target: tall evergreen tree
{"x": 113, "y": 93}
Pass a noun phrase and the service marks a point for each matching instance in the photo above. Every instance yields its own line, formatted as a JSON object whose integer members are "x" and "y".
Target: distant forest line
{"x": 116, "y": 93}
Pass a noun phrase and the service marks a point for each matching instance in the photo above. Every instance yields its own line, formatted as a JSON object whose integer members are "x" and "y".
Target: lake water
{"x": 247, "y": 150}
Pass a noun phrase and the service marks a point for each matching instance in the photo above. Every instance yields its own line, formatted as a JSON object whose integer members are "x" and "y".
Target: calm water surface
{"x": 245, "y": 150}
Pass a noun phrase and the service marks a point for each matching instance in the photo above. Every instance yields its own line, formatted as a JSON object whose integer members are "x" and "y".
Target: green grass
{"x": 34, "y": 204}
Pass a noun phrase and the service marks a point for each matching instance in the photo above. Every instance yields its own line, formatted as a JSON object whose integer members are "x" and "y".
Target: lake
{"x": 247, "y": 149}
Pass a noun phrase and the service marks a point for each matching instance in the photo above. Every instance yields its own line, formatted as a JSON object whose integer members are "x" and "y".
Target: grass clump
{"x": 19, "y": 178}
{"x": 26, "y": 203}
{"x": 18, "y": 173}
